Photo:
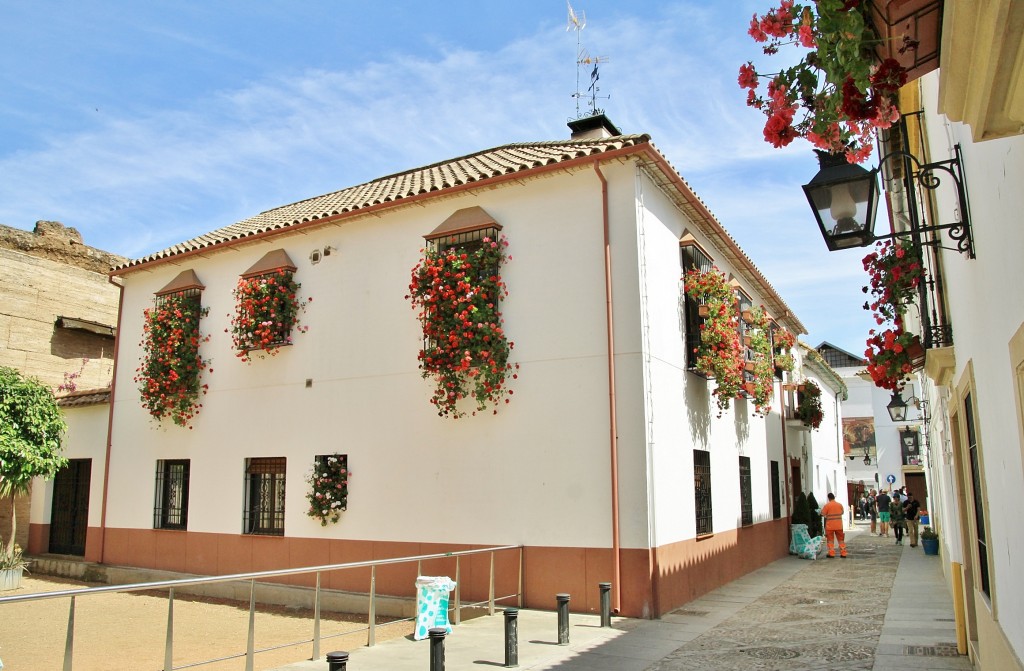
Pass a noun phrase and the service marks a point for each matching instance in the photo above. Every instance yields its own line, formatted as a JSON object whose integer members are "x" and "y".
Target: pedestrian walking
{"x": 911, "y": 509}
{"x": 897, "y": 518}
{"x": 873, "y": 511}
{"x": 833, "y": 514}
{"x": 882, "y": 502}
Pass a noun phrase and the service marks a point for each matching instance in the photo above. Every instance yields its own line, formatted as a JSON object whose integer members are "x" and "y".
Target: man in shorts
{"x": 882, "y": 502}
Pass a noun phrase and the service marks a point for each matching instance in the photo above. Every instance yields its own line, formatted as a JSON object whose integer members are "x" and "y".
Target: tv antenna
{"x": 578, "y": 22}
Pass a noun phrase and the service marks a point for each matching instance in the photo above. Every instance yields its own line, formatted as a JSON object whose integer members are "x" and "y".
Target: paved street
{"x": 886, "y": 607}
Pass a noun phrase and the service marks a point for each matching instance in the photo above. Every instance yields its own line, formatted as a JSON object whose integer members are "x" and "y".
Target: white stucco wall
{"x": 86, "y": 438}
{"x": 987, "y": 309}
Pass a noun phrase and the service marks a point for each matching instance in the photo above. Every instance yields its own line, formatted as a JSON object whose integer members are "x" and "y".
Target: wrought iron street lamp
{"x": 897, "y": 408}
{"x": 844, "y": 200}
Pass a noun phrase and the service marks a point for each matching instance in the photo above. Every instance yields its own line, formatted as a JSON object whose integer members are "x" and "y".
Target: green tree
{"x": 31, "y": 432}
{"x": 801, "y": 511}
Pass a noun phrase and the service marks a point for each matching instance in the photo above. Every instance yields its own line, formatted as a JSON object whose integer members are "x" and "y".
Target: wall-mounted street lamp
{"x": 844, "y": 200}
{"x": 897, "y": 407}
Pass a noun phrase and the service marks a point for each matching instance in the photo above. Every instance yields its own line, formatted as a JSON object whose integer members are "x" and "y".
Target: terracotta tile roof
{"x": 83, "y": 397}
{"x": 476, "y": 170}
{"x": 483, "y": 165}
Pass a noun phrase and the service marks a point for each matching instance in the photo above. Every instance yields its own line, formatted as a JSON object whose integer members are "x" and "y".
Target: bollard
{"x": 511, "y": 637}
{"x": 437, "y": 635}
{"x": 337, "y": 661}
{"x": 563, "y": 619}
{"x": 606, "y": 603}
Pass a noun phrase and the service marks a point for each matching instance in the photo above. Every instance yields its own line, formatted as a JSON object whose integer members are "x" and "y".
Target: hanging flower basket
{"x": 168, "y": 376}
{"x": 892, "y": 355}
{"x": 267, "y": 309}
{"x": 760, "y": 367}
{"x": 895, "y": 270}
{"x": 720, "y": 353}
{"x": 840, "y": 91}
{"x": 465, "y": 350}
{"x": 328, "y": 488}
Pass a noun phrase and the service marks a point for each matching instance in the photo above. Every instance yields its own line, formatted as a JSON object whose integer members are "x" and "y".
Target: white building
{"x": 610, "y": 463}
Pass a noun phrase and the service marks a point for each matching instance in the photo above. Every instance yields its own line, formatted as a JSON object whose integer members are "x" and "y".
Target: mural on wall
{"x": 859, "y": 436}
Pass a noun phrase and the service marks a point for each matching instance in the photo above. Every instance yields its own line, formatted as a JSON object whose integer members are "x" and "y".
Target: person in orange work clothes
{"x": 833, "y": 514}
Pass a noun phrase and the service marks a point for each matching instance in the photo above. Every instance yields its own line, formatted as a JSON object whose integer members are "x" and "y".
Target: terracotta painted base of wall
{"x": 653, "y": 582}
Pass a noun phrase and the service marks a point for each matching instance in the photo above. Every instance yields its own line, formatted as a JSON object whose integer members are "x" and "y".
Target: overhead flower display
{"x": 838, "y": 93}
{"x": 895, "y": 271}
{"x": 720, "y": 353}
{"x": 458, "y": 292}
{"x": 267, "y": 309}
{"x": 171, "y": 367}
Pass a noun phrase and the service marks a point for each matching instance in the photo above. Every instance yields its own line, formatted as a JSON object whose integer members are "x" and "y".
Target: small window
{"x": 702, "y": 491}
{"x": 776, "y": 492}
{"x": 171, "y": 508}
{"x": 264, "y": 496}
{"x": 746, "y": 497}
{"x": 690, "y": 257}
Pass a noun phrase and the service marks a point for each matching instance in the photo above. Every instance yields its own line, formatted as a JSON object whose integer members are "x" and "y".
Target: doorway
{"x": 69, "y": 516}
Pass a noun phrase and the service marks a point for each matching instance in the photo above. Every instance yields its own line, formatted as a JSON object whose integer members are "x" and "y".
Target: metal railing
{"x": 250, "y": 650}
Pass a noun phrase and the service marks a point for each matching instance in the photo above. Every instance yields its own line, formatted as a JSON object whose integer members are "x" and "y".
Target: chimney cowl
{"x": 596, "y": 126}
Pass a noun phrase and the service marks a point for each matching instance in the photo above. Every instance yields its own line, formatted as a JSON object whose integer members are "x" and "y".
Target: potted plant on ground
{"x": 930, "y": 541}
{"x": 31, "y": 431}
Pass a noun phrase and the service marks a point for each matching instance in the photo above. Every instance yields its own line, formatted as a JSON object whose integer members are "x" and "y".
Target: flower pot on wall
{"x": 703, "y": 310}
{"x": 747, "y": 316}
{"x": 917, "y": 353}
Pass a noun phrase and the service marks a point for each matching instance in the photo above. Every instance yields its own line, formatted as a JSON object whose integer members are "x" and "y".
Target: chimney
{"x": 597, "y": 126}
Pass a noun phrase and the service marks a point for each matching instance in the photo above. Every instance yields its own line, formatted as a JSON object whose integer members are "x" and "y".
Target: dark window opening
{"x": 264, "y": 496}
{"x": 746, "y": 496}
{"x": 171, "y": 508}
{"x": 776, "y": 492}
{"x": 702, "y": 491}
{"x": 979, "y": 504}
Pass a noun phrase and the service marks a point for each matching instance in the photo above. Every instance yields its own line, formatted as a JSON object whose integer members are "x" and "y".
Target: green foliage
{"x": 814, "y": 526}
{"x": 31, "y": 430}
{"x": 928, "y": 534}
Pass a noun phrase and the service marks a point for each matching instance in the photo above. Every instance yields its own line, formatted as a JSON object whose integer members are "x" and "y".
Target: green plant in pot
{"x": 814, "y": 526}
{"x": 929, "y": 541}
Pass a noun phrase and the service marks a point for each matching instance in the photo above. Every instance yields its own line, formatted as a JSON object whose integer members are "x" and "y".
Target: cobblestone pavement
{"x": 885, "y": 608}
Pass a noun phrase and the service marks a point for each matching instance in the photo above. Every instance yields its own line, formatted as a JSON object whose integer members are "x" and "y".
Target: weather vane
{"x": 578, "y": 22}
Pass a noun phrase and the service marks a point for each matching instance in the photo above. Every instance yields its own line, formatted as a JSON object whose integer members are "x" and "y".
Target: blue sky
{"x": 145, "y": 124}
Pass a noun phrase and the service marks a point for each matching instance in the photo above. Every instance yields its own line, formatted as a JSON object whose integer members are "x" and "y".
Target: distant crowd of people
{"x": 897, "y": 510}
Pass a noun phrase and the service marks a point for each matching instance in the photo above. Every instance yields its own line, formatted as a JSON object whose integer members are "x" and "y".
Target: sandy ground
{"x": 128, "y": 630}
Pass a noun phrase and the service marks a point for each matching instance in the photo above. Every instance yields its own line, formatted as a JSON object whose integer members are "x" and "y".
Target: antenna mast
{"x": 578, "y": 22}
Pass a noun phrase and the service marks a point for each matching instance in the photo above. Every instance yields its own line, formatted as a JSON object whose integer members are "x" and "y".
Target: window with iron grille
{"x": 979, "y": 501}
{"x": 776, "y": 492}
{"x": 690, "y": 257}
{"x": 746, "y": 497}
{"x": 702, "y": 491}
{"x": 264, "y": 496}
{"x": 171, "y": 508}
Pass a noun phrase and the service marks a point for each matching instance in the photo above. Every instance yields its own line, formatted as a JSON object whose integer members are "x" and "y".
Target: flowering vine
{"x": 328, "y": 488}
{"x": 895, "y": 271}
{"x": 458, "y": 291}
{"x": 762, "y": 384}
{"x": 808, "y": 404}
{"x": 838, "y": 88}
{"x": 720, "y": 353}
{"x": 267, "y": 309}
{"x": 169, "y": 373}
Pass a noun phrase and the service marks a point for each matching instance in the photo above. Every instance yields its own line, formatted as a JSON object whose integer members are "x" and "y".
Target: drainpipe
{"x": 786, "y": 470}
{"x": 613, "y": 437}
{"x": 110, "y": 420}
